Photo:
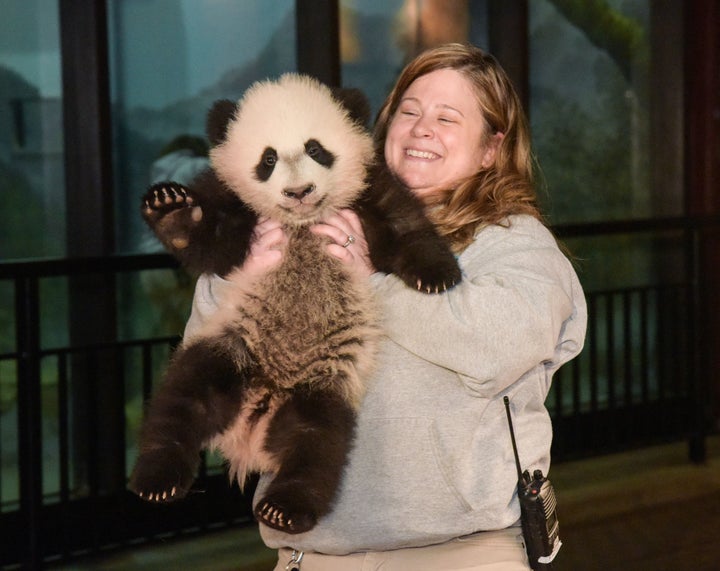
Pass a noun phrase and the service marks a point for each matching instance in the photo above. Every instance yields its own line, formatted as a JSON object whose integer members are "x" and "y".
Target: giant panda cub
{"x": 274, "y": 379}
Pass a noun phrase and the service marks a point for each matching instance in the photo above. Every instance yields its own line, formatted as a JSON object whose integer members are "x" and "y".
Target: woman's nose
{"x": 422, "y": 128}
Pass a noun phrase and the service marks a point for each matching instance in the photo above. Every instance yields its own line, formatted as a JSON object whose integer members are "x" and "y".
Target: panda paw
{"x": 172, "y": 211}
{"x": 164, "y": 197}
{"x": 160, "y": 478}
{"x": 279, "y": 514}
{"x": 432, "y": 278}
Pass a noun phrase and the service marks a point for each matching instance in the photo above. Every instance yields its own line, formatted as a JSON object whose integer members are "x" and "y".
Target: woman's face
{"x": 438, "y": 133}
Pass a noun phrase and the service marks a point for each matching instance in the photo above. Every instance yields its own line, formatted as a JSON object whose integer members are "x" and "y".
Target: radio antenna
{"x": 506, "y": 400}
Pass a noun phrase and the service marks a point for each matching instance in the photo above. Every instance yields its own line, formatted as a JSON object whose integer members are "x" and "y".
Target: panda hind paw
{"x": 160, "y": 476}
{"x": 164, "y": 496}
{"x": 273, "y": 515}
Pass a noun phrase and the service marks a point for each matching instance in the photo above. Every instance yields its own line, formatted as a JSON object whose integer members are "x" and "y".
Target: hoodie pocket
{"x": 404, "y": 473}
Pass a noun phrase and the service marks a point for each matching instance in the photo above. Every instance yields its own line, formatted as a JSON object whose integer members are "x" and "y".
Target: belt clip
{"x": 295, "y": 560}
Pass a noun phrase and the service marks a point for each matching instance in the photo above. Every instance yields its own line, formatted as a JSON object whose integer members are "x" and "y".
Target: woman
{"x": 431, "y": 482}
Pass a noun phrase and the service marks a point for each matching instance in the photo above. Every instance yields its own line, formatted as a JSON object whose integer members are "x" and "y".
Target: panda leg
{"x": 200, "y": 395}
{"x": 311, "y": 434}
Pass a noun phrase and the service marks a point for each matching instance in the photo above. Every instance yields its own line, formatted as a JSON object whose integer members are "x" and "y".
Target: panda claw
{"x": 434, "y": 289}
{"x": 157, "y": 497}
{"x": 278, "y": 518}
{"x": 167, "y": 197}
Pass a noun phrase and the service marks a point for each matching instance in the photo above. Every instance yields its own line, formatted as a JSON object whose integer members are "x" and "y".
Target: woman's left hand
{"x": 348, "y": 243}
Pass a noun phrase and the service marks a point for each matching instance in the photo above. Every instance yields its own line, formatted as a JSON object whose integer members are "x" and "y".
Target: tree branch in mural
{"x": 619, "y": 36}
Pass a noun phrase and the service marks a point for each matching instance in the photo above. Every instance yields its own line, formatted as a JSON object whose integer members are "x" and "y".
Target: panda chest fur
{"x": 310, "y": 320}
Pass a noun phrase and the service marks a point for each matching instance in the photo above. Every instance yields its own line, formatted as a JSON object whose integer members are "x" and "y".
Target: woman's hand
{"x": 266, "y": 251}
{"x": 348, "y": 242}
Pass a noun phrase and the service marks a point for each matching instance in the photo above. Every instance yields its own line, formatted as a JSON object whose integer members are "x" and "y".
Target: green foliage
{"x": 170, "y": 293}
{"x": 585, "y": 161}
{"x": 589, "y": 121}
{"x": 609, "y": 30}
{"x": 21, "y": 216}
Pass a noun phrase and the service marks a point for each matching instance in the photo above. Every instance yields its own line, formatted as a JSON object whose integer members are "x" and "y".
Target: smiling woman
{"x": 439, "y": 135}
{"x": 432, "y": 426}
{"x": 456, "y": 102}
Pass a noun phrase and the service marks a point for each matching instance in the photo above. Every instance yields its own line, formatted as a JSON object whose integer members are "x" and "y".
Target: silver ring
{"x": 350, "y": 240}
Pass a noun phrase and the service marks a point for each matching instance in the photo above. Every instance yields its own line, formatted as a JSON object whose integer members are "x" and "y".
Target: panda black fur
{"x": 274, "y": 379}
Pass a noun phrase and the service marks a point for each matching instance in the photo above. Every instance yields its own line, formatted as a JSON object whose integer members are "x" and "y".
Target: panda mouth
{"x": 303, "y": 207}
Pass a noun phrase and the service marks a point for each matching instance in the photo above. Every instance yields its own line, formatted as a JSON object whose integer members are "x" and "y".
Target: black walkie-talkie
{"x": 538, "y": 511}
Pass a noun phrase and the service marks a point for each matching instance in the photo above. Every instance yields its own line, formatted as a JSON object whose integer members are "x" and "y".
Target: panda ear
{"x": 355, "y": 101}
{"x": 218, "y": 118}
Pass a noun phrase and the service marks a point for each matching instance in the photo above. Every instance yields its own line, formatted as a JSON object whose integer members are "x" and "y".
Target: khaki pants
{"x": 502, "y": 550}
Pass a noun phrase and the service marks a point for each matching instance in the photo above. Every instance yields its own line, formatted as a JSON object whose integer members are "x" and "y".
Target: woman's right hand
{"x": 266, "y": 249}
{"x": 213, "y": 292}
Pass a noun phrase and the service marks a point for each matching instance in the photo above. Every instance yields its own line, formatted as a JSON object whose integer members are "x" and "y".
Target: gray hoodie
{"x": 433, "y": 459}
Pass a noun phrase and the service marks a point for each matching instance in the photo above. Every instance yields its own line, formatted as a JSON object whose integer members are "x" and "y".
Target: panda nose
{"x": 299, "y": 192}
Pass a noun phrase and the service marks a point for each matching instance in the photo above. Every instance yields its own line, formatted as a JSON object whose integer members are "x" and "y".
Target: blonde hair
{"x": 494, "y": 193}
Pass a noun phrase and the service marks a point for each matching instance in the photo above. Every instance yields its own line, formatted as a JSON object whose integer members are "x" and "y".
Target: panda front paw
{"x": 432, "y": 277}
{"x": 161, "y": 477}
{"x": 165, "y": 197}
{"x": 171, "y": 211}
{"x": 280, "y": 514}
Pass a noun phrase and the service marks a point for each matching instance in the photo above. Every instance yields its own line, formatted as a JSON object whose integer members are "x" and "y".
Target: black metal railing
{"x": 642, "y": 377}
{"x": 66, "y": 441}
{"x": 633, "y": 383}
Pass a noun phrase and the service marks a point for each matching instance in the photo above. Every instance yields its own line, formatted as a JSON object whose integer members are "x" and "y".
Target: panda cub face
{"x": 292, "y": 152}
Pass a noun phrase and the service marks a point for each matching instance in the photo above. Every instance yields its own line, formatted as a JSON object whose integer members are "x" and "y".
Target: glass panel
{"x": 162, "y": 300}
{"x": 621, "y": 261}
{"x": 32, "y": 193}
{"x": 32, "y": 183}
{"x": 378, "y": 37}
{"x": 170, "y": 59}
{"x": 9, "y": 466}
{"x": 606, "y": 116}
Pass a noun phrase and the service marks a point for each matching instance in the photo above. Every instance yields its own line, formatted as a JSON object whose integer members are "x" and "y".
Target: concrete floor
{"x": 640, "y": 511}
{"x": 644, "y": 510}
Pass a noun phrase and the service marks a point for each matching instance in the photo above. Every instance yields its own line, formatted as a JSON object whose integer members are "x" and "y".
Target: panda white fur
{"x": 274, "y": 379}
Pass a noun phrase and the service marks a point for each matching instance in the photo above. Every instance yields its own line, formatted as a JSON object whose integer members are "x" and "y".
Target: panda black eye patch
{"x": 318, "y": 153}
{"x": 267, "y": 163}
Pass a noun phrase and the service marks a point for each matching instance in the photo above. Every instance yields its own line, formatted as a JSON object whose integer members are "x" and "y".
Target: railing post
{"x": 29, "y": 417}
{"x": 697, "y": 449}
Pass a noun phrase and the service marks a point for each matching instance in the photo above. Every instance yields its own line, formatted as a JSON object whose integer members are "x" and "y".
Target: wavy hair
{"x": 491, "y": 194}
